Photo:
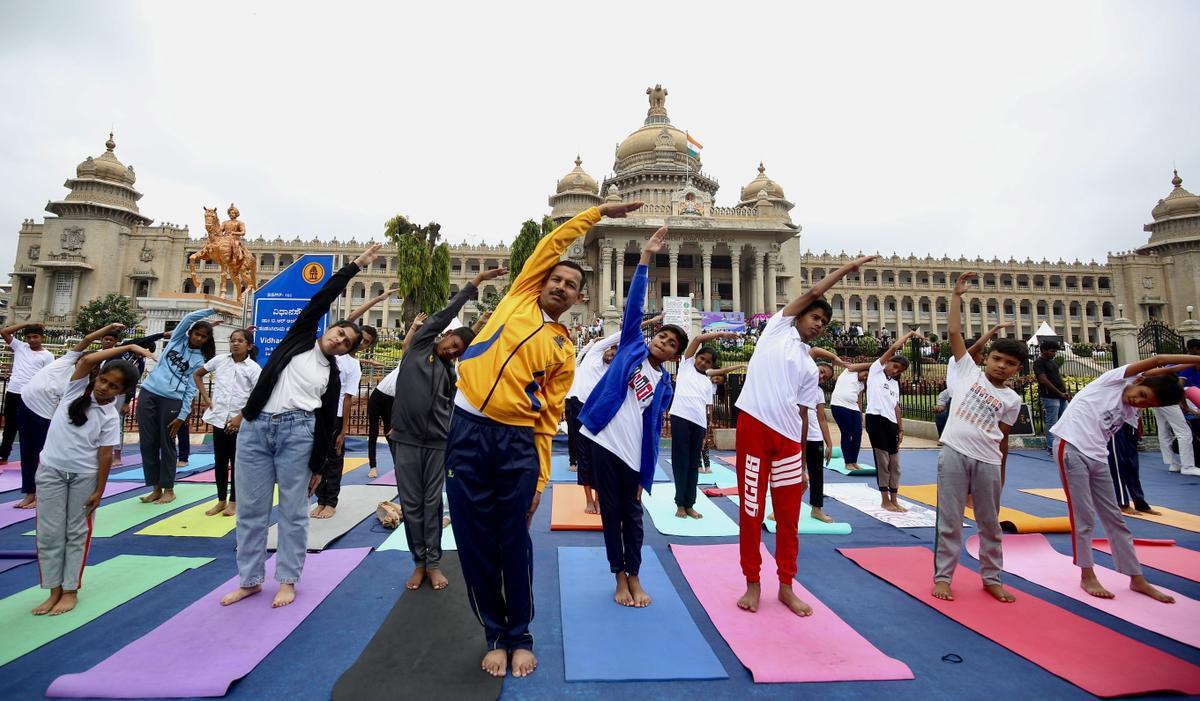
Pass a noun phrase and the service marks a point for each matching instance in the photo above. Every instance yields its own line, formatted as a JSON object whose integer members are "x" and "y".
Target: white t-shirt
{"x": 590, "y": 369}
{"x": 976, "y": 412}
{"x": 774, "y": 376}
{"x": 693, "y": 394}
{"x": 232, "y": 384}
{"x": 73, "y": 448}
{"x": 883, "y": 394}
{"x": 952, "y": 371}
{"x": 1095, "y": 413}
{"x": 44, "y": 390}
{"x": 813, "y": 399}
{"x": 349, "y": 375}
{"x": 26, "y": 363}
{"x": 301, "y": 383}
{"x": 846, "y": 391}
{"x": 623, "y": 435}
{"x": 388, "y": 384}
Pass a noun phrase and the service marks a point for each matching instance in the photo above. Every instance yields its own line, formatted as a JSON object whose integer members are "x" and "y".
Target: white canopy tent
{"x": 1043, "y": 330}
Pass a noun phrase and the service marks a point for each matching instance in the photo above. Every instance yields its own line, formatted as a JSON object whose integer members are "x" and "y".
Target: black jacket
{"x": 300, "y": 339}
{"x": 425, "y": 383}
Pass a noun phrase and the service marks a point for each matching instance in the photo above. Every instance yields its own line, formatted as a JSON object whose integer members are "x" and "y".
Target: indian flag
{"x": 693, "y": 146}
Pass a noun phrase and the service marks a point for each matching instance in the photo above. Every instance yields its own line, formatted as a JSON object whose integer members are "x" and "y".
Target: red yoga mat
{"x": 1162, "y": 555}
{"x": 1090, "y": 656}
{"x": 721, "y": 491}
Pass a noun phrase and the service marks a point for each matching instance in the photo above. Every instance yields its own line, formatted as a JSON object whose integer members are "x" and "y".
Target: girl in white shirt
{"x": 690, "y": 414}
{"x": 236, "y": 372}
{"x": 73, "y": 472}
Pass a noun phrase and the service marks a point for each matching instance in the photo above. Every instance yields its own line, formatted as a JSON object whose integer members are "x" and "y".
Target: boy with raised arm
{"x": 28, "y": 358}
{"x": 511, "y": 385}
{"x": 974, "y": 450}
{"x": 690, "y": 414}
{"x": 771, "y": 432}
{"x": 885, "y": 421}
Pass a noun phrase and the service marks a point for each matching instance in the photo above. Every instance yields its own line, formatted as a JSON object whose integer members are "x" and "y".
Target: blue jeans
{"x": 273, "y": 450}
{"x": 1052, "y": 409}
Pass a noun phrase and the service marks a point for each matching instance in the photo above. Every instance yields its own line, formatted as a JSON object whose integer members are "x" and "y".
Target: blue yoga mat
{"x": 560, "y": 470}
{"x": 604, "y": 641}
{"x": 196, "y": 463}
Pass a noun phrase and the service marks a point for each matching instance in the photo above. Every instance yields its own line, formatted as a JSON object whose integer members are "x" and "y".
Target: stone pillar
{"x": 756, "y": 281}
{"x": 604, "y": 294}
{"x": 706, "y": 250}
{"x": 673, "y": 259}
{"x": 619, "y": 258}
{"x": 772, "y": 269}
{"x": 735, "y": 259}
{"x": 1124, "y": 335}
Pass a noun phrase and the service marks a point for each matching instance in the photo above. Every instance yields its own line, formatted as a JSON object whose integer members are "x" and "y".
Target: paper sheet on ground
{"x": 866, "y": 499}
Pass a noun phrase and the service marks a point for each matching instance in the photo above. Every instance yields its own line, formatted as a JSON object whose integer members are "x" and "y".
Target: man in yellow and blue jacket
{"x": 512, "y": 384}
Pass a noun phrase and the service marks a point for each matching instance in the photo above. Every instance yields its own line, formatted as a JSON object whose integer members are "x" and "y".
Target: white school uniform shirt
{"x": 73, "y": 448}
{"x": 45, "y": 389}
{"x": 883, "y": 394}
{"x": 623, "y": 435}
{"x": 774, "y": 376}
{"x": 1095, "y": 413}
{"x": 591, "y": 367}
{"x": 301, "y": 383}
{"x": 349, "y": 375}
{"x": 846, "y": 391}
{"x": 693, "y": 394}
{"x": 388, "y": 384}
{"x": 814, "y": 401}
{"x": 952, "y": 372}
{"x": 976, "y": 411}
{"x": 26, "y": 363}
{"x": 232, "y": 384}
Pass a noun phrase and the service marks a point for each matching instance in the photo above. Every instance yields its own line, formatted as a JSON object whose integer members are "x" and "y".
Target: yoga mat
{"x": 9, "y": 515}
{"x": 839, "y": 465}
{"x": 560, "y": 469}
{"x": 209, "y": 476}
{"x": 866, "y": 499}
{"x": 106, "y": 585}
{"x": 119, "y": 517}
{"x": 397, "y": 541}
{"x": 441, "y": 662}
{"x": 355, "y": 503}
{"x": 1162, "y": 555}
{"x": 1090, "y": 656}
{"x": 1169, "y": 517}
{"x": 721, "y": 477}
{"x": 207, "y": 646}
{"x": 194, "y": 523}
{"x": 775, "y": 644}
{"x": 661, "y": 508}
{"x": 386, "y": 479}
{"x": 9, "y": 563}
{"x": 807, "y": 524}
{"x": 197, "y": 463}
{"x": 1011, "y": 520}
{"x": 1032, "y": 557}
{"x": 10, "y": 479}
{"x": 720, "y": 491}
{"x": 593, "y": 625}
{"x": 566, "y": 510}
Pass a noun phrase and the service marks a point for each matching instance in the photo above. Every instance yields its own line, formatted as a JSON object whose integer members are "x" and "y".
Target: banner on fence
{"x": 723, "y": 321}
{"x": 280, "y": 301}
{"x": 678, "y": 311}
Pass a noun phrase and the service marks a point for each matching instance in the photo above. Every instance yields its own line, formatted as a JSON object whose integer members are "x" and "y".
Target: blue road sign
{"x": 280, "y": 301}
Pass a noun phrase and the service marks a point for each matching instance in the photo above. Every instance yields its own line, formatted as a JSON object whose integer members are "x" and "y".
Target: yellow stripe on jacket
{"x": 518, "y": 370}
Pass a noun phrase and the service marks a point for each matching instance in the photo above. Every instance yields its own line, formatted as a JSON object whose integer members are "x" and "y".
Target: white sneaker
{"x": 1173, "y": 468}
{"x": 1191, "y": 471}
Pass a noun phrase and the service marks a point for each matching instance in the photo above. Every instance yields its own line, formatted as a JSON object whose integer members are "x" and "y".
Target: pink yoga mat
{"x": 208, "y": 476}
{"x": 1162, "y": 555}
{"x": 9, "y": 515}
{"x": 385, "y": 479}
{"x": 1032, "y": 557}
{"x": 207, "y": 646}
{"x": 775, "y": 644}
{"x": 721, "y": 491}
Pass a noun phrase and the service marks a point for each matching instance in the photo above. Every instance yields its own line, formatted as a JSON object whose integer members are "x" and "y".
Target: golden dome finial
{"x": 1177, "y": 181}
{"x": 110, "y": 144}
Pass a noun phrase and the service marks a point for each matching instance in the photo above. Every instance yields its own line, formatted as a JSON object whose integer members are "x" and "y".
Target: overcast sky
{"x": 1025, "y": 129}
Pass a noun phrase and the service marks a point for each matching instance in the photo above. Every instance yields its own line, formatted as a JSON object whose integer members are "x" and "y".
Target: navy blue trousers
{"x": 1125, "y": 467}
{"x": 620, "y": 510}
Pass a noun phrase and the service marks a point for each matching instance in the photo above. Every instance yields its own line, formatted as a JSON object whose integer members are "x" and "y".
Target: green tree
{"x": 437, "y": 284}
{"x": 112, "y": 308}
{"x": 422, "y": 265}
{"x": 522, "y": 246}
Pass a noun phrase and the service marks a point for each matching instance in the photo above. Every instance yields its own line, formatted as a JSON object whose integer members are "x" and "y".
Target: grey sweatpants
{"x": 1090, "y": 493}
{"x": 158, "y": 447}
{"x": 958, "y": 476}
{"x": 63, "y": 529}
{"x": 420, "y": 477}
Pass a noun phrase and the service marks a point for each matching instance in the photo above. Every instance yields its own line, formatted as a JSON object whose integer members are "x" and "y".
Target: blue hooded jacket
{"x": 608, "y": 396}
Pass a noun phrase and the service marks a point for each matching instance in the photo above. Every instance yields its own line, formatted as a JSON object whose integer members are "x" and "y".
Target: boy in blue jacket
{"x": 623, "y": 420}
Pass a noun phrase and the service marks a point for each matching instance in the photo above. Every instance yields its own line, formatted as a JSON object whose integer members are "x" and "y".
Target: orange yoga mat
{"x": 1011, "y": 520}
{"x": 566, "y": 509}
{"x": 1168, "y": 517}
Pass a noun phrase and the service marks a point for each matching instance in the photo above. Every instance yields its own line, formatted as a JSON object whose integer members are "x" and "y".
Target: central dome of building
{"x": 656, "y": 132}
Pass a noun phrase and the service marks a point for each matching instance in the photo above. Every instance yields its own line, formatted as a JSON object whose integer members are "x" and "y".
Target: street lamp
{"x": 1190, "y": 309}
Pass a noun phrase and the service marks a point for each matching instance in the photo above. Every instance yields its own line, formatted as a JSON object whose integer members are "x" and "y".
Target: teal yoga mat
{"x": 196, "y": 463}
{"x": 837, "y": 464}
{"x": 808, "y": 525}
{"x": 660, "y": 505}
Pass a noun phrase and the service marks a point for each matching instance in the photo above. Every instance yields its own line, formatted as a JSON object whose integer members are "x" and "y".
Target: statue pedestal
{"x": 166, "y": 310}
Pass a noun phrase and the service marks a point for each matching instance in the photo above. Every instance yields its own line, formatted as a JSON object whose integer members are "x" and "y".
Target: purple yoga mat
{"x": 234, "y": 639}
{"x": 10, "y": 479}
{"x": 385, "y": 479}
{"x": 9, "y": 515}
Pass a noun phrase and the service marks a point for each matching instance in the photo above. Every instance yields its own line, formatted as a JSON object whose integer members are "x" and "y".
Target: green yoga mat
{"x": 808, "y": 525}
{"x": 106, "y": 586}
{"x": 837, "y": 464}
{"x": 112, "y": 519}
{"x": 661, "y": 507}
{"x": 195, "y": 524}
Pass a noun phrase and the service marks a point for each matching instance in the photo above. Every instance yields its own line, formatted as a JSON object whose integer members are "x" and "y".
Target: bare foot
{"x": 591, "y": 508}
{"x": 1128, "y": 510}
{"x": 495, "y": 663}
{"x": 240, "y": 593}
{"x": 573, "y": 468}
{"x": 65, "y": 603}
{"x": 941, "y": 590}
{"x": 1093, "y": 586}
{"x": 896, "y": 505}
{"x": 437, "y": 579}
{"x": 795, "y": 603}
{"x": 29, "y": 501}
{"x": 445, "y": 522}
{"x": 372, "y": 473}
{"x": 523, "y": 663}
{"x": 680, "y": 512}
{"x": 230, "y": 508}
{"x": 317, "y": 510}
{"x": 1141, "y": 586}
{"x": 640, "y": 598}
{"x": 414, "y": 581}
{"x": 152, "y": 496}
{"x": 181, "y": 463}
{"x": 694, "y": 514}
{"x": 217, "y": 508}
{"x": 326, "y": 512}
{"x": 167, "y": 497}
{"x": 820, "y": 515}
{"x": 622, "y": 594}
{"x": 887, "y": 505}
{"x": 851, "y": 467}
{"x": 749, "y": 600}
{"x": 1000, "y": 593}
{"x": 1148, "y": 511}
{"x": 44, "y": 608}
{"x": 285, "y": 596}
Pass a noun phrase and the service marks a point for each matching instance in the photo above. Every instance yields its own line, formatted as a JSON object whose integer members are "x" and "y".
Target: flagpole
{"x": 687, "y": 163}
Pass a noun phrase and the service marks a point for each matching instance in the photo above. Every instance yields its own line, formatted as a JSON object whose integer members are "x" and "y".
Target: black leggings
{"x": 224, "y": 458}
{"x": 814, "y": 454}
{"x": 379, "y": 408}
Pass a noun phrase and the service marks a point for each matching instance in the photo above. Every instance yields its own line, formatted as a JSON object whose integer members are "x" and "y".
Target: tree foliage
{"x": 112, "y": 308}
{"x": 422, "y": 265}
{"x": 437, "y": 284}
{"x": 522, "y": 246}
